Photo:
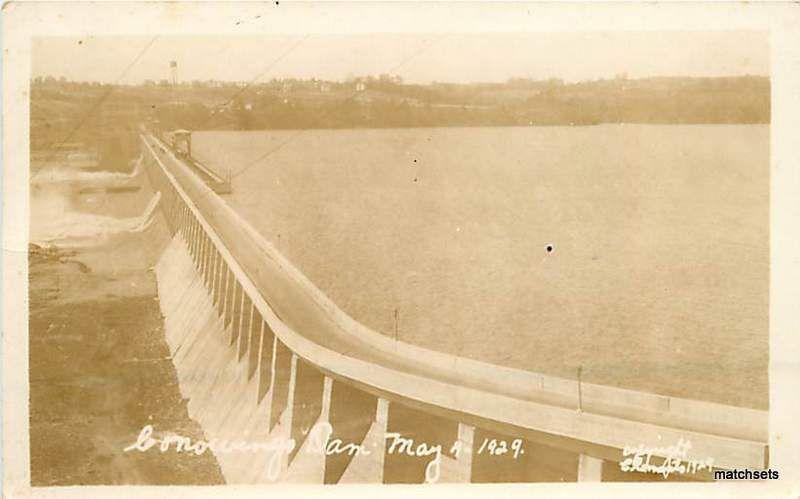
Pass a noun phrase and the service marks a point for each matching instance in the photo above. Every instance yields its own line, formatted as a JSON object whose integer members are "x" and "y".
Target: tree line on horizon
{"x": 58, "y": 105}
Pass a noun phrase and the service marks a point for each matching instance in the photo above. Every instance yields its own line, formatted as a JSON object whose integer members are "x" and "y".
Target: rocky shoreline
{"x": 100, "y": 368}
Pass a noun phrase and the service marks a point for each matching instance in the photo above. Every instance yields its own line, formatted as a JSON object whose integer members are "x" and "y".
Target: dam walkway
{"x": 385, "y": 411}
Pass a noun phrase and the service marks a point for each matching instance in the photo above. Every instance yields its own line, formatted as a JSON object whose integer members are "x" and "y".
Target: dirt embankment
{"x": 100, "y": 369}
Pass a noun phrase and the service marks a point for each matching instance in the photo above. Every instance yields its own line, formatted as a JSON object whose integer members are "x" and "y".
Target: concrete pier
{"x": 590, "y": 469}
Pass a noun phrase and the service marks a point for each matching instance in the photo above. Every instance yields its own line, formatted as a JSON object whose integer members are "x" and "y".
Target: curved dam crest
{"x": 266, "y": 374}
{"x": 226, "y": 402}
{"x": 438, "y": 236}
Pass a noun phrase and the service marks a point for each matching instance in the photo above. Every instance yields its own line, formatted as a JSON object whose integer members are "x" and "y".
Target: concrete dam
{"x": 300, "y": 392}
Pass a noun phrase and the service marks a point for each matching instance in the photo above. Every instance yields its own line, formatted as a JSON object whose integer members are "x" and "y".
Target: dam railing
{"x": 493, "y": 423}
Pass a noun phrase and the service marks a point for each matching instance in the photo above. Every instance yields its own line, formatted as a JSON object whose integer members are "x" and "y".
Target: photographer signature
{"x": 674, "y": 459}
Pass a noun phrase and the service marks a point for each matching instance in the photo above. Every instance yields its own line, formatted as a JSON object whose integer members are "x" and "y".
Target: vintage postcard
{"x": 472, "y": 248}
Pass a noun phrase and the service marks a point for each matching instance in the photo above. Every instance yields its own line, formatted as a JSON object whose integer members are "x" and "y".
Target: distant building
{"x": 361, "y": 86}
{"x": 173, "y": 72}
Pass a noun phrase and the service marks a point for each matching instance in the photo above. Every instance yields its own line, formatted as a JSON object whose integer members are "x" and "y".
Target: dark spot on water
{"x": 80, "y": 42}
{"x": 415, "y": 179}
{"x": 549, "y": 248}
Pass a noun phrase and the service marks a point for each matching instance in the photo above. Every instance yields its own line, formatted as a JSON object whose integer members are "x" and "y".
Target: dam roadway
{"x": 591, "y": 420}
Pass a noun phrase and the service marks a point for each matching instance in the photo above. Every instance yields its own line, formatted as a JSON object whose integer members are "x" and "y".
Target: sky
{"x": 417, "y": 58}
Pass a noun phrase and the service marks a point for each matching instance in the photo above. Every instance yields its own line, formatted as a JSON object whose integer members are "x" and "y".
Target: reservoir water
{"x": 657, "y": 273}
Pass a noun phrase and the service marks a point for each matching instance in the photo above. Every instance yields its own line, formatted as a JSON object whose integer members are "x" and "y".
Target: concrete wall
{"x": 248, "y": 375}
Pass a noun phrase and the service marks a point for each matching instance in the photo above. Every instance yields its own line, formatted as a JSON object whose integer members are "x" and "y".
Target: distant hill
{"x": 89, "y": 113}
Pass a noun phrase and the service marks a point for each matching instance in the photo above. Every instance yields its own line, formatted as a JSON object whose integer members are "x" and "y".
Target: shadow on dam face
{"x": 237, "y": 313}
{"x": 352, "y": 413}
{"x": 268, "y": 349}
{"x": 425, "y": 429}
{"x": 280, "y": 387}
{"x": 535, "y": 463}
{"x": 246, "y": 329}
{"x": 306, "y": 402}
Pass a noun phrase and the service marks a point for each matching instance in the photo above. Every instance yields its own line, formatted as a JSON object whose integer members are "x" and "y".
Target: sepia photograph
{"x": 387, "y": 257}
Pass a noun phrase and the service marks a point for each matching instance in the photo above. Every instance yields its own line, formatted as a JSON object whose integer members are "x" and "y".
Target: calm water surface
{"x": 659, "y": 275}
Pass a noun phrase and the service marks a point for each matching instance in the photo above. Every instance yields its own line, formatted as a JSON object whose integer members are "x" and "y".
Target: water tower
{"x": 173, "y": 72}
